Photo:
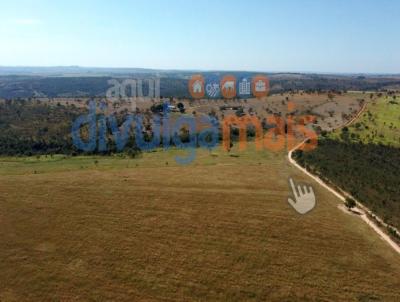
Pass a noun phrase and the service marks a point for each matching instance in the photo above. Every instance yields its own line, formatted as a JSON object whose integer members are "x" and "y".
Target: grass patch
{"x": 379, "y": 124}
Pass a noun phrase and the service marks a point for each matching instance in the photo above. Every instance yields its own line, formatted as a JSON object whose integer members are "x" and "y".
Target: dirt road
{"x": 362, "y": 209}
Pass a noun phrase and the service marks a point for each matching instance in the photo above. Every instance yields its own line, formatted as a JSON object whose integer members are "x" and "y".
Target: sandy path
{"x": 364, "y": 106}
{"x": 362, "y": 209}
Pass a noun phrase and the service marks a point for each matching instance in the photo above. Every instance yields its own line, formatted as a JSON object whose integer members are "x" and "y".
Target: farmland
{"x": 116, "y": 228}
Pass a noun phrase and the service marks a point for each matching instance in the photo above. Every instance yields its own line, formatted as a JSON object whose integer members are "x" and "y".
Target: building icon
{"x": 244, "y": 87}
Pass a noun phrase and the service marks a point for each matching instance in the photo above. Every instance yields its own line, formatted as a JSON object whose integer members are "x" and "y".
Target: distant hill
{"x": 74, "y": 81}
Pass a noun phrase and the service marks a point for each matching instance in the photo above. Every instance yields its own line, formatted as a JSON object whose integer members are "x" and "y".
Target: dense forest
{"x": 28, "y": 128}
{"x": 12, "y": 87}
{"x": 370, "y": 172}
{"x": 35, "y": 128}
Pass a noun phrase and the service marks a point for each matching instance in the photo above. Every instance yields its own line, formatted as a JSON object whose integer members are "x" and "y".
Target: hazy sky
{"x": 260, "y": 35}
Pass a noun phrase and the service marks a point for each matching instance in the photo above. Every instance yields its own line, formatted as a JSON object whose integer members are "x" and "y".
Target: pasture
{"x": 147, "y": 229}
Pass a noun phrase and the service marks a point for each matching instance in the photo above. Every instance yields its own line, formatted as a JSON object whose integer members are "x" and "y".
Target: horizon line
{"x": 199, "y": 70}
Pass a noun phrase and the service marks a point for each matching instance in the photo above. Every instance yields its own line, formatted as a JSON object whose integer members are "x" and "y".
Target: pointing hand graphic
{"x": 304, "y": 198}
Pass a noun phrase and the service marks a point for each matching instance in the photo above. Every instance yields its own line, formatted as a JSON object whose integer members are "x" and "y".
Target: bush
{"x": 350, "y": 203}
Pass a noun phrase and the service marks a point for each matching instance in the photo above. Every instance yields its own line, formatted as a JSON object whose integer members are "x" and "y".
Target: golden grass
{"x": 141, "y": 230}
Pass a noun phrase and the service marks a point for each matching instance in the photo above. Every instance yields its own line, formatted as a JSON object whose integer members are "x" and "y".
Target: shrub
{"x": 350, "y": 203}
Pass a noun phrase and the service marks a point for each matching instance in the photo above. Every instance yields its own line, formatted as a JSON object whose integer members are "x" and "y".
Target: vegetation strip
{"x": 342, "y": 196}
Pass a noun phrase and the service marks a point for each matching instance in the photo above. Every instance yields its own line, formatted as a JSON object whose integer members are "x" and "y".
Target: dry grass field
{"x": 330, "y": 112}
{"x": 146, "y": 229}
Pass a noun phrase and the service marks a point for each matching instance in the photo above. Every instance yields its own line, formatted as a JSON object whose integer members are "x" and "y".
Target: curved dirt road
{"x": 362, "y": 209}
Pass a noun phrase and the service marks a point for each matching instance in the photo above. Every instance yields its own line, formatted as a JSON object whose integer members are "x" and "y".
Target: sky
{"x": 346, "y": 36}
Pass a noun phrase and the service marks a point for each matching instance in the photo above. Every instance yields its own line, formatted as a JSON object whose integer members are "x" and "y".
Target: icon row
{"x": 228, "y": 87}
